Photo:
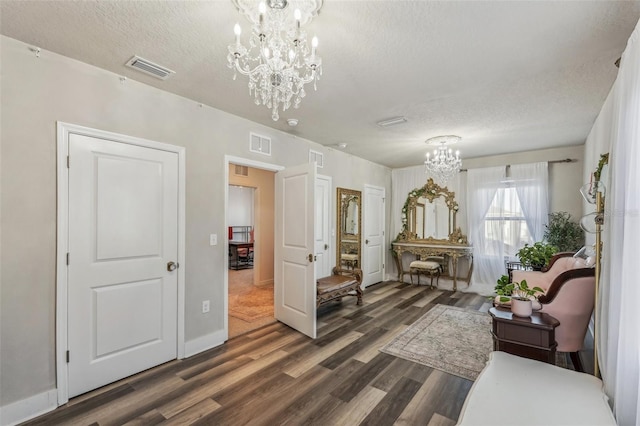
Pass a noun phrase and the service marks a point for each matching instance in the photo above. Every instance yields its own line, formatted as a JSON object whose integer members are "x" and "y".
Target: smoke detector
{"x": 293, "y": 122}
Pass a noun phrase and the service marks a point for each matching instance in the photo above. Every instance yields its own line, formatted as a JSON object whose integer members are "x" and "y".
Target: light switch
{"x": 213, "y": 239}
{"x": 206, "y": 306}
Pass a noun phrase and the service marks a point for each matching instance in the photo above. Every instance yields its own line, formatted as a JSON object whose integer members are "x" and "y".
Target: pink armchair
{"x": 569, "y": 297}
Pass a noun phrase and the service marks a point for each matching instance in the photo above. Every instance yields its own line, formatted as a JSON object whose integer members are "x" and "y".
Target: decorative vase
{"x": 521, "y": 307}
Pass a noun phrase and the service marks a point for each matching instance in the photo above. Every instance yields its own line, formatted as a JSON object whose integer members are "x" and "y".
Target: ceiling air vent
{"x": 149, "y": 67}
{"x": 317, "y": 157}
{"x": 241, "y": 170}
{"x": 258, "y": 143}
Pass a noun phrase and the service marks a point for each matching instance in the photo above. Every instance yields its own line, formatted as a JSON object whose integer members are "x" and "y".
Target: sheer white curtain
{"x": 532, "y": 185}
{"x": 488, "y": 253}
{"x": 619, "y": 319}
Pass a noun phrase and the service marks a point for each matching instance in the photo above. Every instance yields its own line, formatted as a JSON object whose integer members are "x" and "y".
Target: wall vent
{"x": 149, "y": 67}
{"x": 316, "y": 156}
{"x": 260, "y": 144}
{"x": 242, "y": 170}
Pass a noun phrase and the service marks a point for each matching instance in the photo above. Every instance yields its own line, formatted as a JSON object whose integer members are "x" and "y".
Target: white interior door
{"x": 323, "y": 257}
{"x": 294, "y": 275}
{"x": 123, "y": 232}
{"x": 373, "y": 256}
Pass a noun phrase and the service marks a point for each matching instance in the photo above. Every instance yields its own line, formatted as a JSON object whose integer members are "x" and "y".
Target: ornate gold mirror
{"x": 349, "y": 216}
{"x": 429, "y": 214}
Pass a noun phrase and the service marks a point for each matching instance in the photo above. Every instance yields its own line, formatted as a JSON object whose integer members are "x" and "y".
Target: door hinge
{"x": 383, "y": 266}
{"x": 67, "y": 161}
{"x": 67, "y": 258}
{"x": 67, "y": 357}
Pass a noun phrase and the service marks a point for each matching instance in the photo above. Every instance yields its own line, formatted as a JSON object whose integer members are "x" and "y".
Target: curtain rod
{"x": 566, "y": 160}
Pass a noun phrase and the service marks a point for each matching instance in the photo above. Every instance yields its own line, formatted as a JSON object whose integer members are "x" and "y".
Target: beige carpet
{"x": 252, "y": 305}
{"x": 454, "y": 340}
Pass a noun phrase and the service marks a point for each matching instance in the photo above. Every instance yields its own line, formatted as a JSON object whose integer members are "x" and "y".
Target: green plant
{"x": 520, "y": 291}
{"x": 563, "y": 233}
{"x": 501, "y": 285}
{"x": 536, "y": 256}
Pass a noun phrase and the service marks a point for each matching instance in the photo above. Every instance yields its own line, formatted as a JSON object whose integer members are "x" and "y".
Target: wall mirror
{"x": 429, "y": 214}
{"x": 349, "y": 216}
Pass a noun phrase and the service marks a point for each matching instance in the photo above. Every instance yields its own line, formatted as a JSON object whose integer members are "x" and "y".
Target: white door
{"x": 373, "y": 224}
{"x": 123, "y": 233}
{"x": 323, "y": 257}
{"x": 294, "y": 275}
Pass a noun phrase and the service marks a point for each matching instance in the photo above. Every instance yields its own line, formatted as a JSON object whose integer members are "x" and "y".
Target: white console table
{"x": 452, "y": 251}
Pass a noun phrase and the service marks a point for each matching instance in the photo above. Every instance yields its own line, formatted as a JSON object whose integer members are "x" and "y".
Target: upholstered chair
{"x": 569, "y": 285}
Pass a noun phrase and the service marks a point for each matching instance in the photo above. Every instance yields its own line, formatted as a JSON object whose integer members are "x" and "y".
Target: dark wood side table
{"x": 533, "y": 337}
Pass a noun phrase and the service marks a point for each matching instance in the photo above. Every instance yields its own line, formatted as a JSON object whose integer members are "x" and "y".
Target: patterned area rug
{"x": 253, "y": 304}
{"x": 454, "y": 340}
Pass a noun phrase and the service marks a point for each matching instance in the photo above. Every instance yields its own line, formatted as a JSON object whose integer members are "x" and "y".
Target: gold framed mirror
{"x": 429, "y": 214}
{"x": 349, "y": 215}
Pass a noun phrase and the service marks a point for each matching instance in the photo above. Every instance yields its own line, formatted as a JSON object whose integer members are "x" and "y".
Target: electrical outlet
{"x": 213, "y": 239}
{"x": 206, "y": 306}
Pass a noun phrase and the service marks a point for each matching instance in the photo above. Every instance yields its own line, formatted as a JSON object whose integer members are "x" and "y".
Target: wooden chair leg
{"x": 575, "y": 359}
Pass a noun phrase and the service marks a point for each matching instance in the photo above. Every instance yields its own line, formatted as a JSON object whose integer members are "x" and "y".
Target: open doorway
{"x": 250, "y": 218}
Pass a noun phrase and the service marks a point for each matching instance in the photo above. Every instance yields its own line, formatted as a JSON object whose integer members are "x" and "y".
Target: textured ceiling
{"x": 506, "y": 76}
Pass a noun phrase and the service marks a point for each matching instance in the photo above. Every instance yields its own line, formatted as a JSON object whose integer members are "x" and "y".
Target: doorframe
{"x": 64, "y": 130}
{"x": 231, "y": 159}
{"x": 383, "y": 221}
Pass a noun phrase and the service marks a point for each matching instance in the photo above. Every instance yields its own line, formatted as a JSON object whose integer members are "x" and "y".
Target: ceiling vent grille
{"x": 149, "y": 67}
{"x": 317, "y": 157}
{"x": 242, "y": 170}
{"x": 260, "y": 144}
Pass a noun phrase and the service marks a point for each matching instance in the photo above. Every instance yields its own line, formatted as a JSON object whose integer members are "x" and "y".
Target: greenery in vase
{"x": 563, "y": 233}
{"x": 520, "y": 291}
{"x": 536, "y": 256}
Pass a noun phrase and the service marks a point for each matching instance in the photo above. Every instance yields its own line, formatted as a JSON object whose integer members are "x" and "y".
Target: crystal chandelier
{"x": 444, "y": 164}
{"x": 277, "y": 60}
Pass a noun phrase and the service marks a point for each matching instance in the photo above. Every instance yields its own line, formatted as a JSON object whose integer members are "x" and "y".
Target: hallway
{"x": 250, "y": 306}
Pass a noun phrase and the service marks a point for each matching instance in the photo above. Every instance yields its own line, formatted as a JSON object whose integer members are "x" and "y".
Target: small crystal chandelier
{"x": 443, "y": 165}
{"x": 277, "y": 60}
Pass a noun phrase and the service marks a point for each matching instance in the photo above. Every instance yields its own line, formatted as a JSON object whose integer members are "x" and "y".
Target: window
{"x": 505, "y": 224}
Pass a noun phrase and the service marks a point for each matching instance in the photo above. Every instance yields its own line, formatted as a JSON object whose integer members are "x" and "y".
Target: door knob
{"x": 172, "y": 266}
{"x": 326, "y": 246}
{"x": 310, "y": 257}
{"x": 366, "y": 241}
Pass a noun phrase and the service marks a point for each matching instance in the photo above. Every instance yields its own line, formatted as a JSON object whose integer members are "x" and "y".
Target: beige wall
{"x": 264, "y": 201}
{"x": 38, "y": 92}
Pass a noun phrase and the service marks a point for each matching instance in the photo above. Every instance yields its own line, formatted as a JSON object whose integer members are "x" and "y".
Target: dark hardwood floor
{"x": 277, "y": 376}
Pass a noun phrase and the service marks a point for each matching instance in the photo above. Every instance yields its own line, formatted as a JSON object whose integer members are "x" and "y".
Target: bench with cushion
{"x": 427, "y": 267}
{"x": 341, "y": 283}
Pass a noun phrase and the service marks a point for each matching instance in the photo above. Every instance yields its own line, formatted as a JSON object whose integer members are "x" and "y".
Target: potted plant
{"x": 563, "y": 233}
{"x": 501, "y": 285}
{"x": 521, "y": 297}
{"x": 536, "y": 256}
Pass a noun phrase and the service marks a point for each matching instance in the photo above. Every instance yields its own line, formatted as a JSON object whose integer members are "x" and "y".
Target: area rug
{"x": 253, "y": 304}
{"x": 454, "y": 340}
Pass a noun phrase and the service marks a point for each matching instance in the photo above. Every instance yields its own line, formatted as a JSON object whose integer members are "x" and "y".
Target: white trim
{"x": 28, "y": 408}
{"x": 203, "y": 343}
{"x": 230, "y": 159}
{"x": 62, "y": 244}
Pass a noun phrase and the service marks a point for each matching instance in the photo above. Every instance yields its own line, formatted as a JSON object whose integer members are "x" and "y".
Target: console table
{"x": 532, "y": 337}
{"x": 452, "y": 251}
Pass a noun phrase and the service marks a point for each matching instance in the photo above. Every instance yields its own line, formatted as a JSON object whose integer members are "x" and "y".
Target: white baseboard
{"x": 203, "y": 343}
{"x": 28, "y": 408}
